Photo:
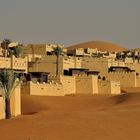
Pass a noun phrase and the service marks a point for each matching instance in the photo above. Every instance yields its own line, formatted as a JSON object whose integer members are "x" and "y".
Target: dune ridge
{"x": 100, "y": 45}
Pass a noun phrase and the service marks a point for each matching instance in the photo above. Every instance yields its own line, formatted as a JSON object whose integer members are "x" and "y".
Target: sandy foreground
{"x": 75, "y": 118}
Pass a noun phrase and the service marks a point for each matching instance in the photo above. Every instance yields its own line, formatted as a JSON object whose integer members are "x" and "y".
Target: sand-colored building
{"x": 124, "y": 75}
{"x": 76, "y": 52}
{"x": 82, "y": 52}
{"x": 100, "y": 64}
{"x": 48, "y": 64}
{"x": 90, "y": 50}
{"x": 35, "y": 51}
{"x": 95, "y": 64}
{"x": 134, "y": 66}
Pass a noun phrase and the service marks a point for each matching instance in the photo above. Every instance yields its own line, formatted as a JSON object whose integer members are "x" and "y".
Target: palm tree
{"x": 9, "y": 80}
{"x": 118, "y": 55}
{"x": 5, "y": 44}
{"x": 58, "y": 51}
{"x": 133, "y": 56}
{"x": 16, "y": 50}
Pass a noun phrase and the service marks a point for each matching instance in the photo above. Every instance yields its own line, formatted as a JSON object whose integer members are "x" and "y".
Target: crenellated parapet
{"x": 122, "y": 72}
{"x": 14, "y": 63}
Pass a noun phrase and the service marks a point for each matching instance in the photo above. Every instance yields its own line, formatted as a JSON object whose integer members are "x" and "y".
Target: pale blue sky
{"x": 71, "y": 21}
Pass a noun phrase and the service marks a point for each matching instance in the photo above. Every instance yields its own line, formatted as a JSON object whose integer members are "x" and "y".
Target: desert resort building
{"x": 54, "y": 70}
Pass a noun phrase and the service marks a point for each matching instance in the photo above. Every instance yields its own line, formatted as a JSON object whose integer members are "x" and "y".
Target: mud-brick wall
{"x": 126, "y": 79}
{"x": 86, "y": 84}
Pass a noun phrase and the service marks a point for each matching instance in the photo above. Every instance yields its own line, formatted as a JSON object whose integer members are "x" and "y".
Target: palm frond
{"x": 8, "y": 82}
{"x": 58, "y": 50}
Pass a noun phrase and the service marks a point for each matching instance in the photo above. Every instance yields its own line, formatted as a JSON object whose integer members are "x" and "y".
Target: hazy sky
{"x": 71, "y": 21}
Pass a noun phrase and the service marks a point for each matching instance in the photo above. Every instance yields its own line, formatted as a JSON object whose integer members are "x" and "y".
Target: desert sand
{"x": 100, "y": 45}
{"x": 99, "y": 117}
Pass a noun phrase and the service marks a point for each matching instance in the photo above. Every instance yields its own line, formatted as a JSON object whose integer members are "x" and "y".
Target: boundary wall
{"x": 66, "y": 85}
{"x": 108, "y": 87}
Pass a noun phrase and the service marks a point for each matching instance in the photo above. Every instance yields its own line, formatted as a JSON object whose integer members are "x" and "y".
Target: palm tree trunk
{"x": 7, "y": 108}
{"x": 5, "y": 51}
{"x": 133, "y": 59}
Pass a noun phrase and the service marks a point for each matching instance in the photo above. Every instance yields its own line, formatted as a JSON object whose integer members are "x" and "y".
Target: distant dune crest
{"x": 100, "y": 45}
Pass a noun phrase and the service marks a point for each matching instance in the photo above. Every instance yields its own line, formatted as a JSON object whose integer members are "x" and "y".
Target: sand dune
{"x": 100, "y": 45}
{"x": 75, "y": 118}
